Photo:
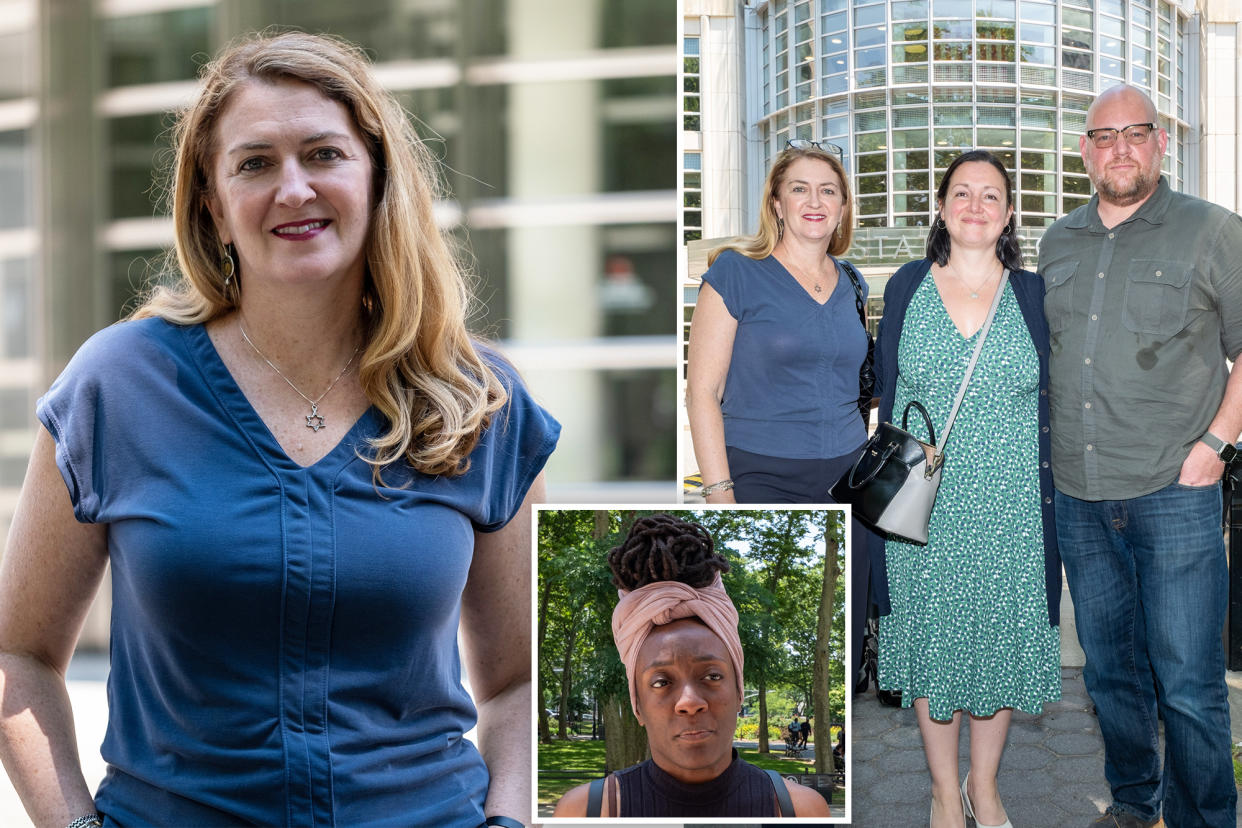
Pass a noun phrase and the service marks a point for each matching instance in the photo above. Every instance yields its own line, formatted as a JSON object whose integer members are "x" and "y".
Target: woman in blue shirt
{"x": 304, "y": 473}
{"x": 776, "y": 345}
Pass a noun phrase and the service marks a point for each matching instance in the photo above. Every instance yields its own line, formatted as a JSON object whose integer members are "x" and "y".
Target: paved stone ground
{"x": 1052, "y": 771}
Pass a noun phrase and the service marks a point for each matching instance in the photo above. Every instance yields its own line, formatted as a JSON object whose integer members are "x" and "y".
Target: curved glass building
{"x": 905, "y": 86}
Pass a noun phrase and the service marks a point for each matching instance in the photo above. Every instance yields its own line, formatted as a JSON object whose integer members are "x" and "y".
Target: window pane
{"x": 910, "y": 160}
{"x": 870, "y": 36}
{"x": 910, "y": 181}
{"x": 134, "y": 144}
{"x": 873, "y": 204}
{"x": 869, "y": 57}
{"x": 910, "y": 10}
{"x": 953, "y": 8}
{"x": 16, "y": 168}
{"x": 16, "y": 72}
{"x": 155, "y": 48}
{"x": 872, "y": 163}
{"x": 870, "y": 184}
{"x": 1042, "y": 12}
{"x": 869, "y": 15}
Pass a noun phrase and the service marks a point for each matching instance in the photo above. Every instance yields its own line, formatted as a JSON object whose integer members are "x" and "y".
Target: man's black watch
{"x": 1225, "y": 451}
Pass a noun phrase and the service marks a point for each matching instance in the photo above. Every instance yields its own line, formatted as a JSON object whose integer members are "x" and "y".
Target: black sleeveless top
{"x": 743, "y": 790}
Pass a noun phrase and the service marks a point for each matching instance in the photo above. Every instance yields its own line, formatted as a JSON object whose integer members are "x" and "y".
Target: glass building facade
{"x": 556, "y": 125}
{"x": 906, "y": 86}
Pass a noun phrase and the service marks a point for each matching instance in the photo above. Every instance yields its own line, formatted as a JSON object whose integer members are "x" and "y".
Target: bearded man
{"x": 1144, "y": 303}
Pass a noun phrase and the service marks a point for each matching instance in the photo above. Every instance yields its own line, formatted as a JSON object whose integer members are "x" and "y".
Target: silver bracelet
{"x": 718, "y": 486}
{"x": 87, "y": 821}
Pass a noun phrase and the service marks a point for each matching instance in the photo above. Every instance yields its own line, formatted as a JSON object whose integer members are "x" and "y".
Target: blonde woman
{"x": 303, "y": 472}
{"x": 776, "y": 344}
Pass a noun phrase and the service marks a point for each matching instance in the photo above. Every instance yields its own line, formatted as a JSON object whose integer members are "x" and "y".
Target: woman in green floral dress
{"x": 974, "y": 612}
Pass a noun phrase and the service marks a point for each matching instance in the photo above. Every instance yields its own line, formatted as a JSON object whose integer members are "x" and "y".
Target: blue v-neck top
{"x": 792, "y": 386}
{"x": 284, "y": 639}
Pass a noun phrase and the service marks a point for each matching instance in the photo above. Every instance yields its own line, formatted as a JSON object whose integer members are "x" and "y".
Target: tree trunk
{"x": 567, "y": 683}
{"x": 823, "y": 637}
{"x": 763, "y": 715}
{"x": 545, "y": 735}
{"x": 625, "y": 740}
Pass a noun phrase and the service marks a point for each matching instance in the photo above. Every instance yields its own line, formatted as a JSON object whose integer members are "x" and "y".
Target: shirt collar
{"x": 1151, "y": 211}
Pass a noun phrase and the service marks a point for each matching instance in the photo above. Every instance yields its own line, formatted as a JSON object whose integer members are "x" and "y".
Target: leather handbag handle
{"x": 918, "y": 406}
{"x": 875, "y": 468}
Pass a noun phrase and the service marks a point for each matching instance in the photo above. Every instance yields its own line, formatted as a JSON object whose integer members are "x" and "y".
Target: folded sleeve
{"x": 512, "y": 451}
{"x": 83, "y": 409}
{"x": 725, "y": 277}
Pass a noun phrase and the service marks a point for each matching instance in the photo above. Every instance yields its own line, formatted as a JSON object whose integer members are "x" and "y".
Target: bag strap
{"x": 856, "y": 281}
{"x": 784, "y": 805}
{"x": 595, "y": 797}
{"x": 970, "y": 368}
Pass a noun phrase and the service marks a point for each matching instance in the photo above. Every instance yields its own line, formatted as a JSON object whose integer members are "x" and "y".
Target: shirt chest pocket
{"x": 1058, "y": 294}
{"x": 1157, "y": 297}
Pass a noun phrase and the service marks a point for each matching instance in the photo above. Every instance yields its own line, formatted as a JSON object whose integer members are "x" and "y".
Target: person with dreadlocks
{"x": 676, "y": 632}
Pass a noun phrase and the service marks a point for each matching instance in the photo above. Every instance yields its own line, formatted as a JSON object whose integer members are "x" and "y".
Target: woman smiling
{"x": 776, "y": 344}
{"x": 974, "y": 612}
{"x": 306, "y": 477}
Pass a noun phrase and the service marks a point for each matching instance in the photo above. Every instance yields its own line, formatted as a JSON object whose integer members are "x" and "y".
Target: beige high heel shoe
{"x": 970, "y": 811}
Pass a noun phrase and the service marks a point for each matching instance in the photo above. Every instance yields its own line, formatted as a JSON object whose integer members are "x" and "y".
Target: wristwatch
{"x": 1225, "y": 451}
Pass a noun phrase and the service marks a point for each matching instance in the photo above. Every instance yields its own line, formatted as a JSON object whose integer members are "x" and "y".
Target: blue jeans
{"x": 1150, "y": 588}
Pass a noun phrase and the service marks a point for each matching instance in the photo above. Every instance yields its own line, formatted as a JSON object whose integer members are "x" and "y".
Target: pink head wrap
{"x": 663, "y": 602}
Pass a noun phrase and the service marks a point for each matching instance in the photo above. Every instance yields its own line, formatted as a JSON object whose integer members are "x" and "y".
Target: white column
{"x": 1221, "y": 79}
{"x": 555, "y": 151}
{"x": 722, "y": 123}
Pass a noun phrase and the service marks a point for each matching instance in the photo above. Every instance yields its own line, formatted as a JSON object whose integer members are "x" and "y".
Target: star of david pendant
{"x": 314, "y": 420}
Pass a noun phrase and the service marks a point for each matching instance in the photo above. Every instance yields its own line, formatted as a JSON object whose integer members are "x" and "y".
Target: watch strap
{"x": 504, "y": 822}
{"x": 1225, "y": 451}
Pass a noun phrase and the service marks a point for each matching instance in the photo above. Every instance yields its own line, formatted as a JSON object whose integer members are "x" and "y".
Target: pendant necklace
{"x": 974, "y": 292}
{"x": 817, "y": 287}
{"x": 314, "y": 420}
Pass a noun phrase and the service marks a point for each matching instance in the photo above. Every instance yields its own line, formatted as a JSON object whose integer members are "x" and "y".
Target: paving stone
{"x": 1071, "y": 721}
{"x": 1075, "y": 744}
{"x": 1026, "y": 757}
{"x": 1025, "y": 733}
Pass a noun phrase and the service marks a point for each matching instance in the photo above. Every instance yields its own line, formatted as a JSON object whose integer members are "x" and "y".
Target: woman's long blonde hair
{"x": 419, "y": 366}
{"x": 761, "y": 245}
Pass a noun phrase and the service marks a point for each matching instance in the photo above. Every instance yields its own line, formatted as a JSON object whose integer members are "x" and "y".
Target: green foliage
{"x": 748, "y": 729}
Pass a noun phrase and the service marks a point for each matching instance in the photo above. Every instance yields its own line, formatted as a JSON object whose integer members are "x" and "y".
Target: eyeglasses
{"x": 1135, "y": 134}
{"x": 806, "y": 143}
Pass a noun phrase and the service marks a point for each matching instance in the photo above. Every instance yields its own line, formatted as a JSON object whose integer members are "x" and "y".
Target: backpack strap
{"x": 611, "y": 785}
{"x": 784, "y": 805}
{"x": 595, "y": 796}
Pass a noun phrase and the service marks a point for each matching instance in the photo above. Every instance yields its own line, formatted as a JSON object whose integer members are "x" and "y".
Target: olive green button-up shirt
{"x": 1142, "y": 317}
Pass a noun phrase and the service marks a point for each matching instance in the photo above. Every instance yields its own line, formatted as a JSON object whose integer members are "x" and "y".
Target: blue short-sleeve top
{"x": 792, "y": 386}
{"x": 284, "y": 639}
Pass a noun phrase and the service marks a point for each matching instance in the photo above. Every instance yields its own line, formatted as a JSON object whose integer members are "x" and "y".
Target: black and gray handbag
{"x": 892, "y": 485}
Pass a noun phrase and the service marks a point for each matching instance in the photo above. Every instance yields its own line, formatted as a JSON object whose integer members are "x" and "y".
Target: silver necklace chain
{"x": 314, "y": 420}
{"x": 974, "y": 292}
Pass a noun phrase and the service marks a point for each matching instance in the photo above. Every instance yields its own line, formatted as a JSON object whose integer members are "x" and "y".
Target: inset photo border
{"x": 788, "y": 579}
